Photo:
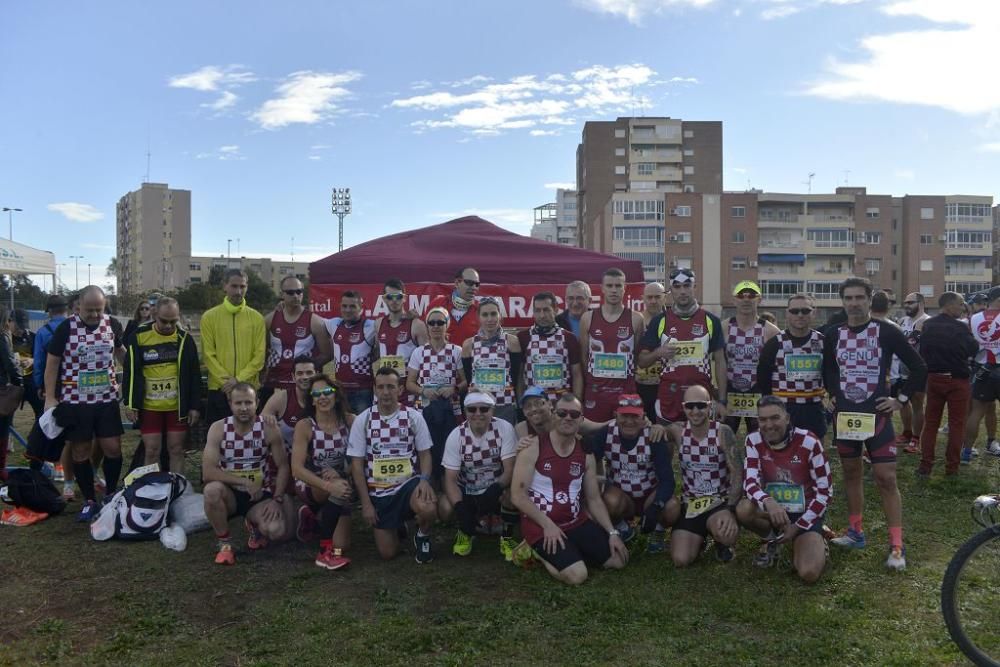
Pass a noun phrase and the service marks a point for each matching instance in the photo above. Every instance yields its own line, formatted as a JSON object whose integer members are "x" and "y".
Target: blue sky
{"x": 429, "y": 110}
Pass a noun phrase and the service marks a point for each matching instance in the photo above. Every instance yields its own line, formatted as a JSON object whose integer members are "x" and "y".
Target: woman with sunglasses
{"x": 143, "y": 314}
{"x": 492, "y": 359}
{"x": 319, "y": 466}
{"x": 435, "y": 375}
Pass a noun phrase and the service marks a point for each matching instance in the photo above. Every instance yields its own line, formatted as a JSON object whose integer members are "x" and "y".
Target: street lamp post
{"x": 10, "y": 220}
{"x": 89, "y": 279}
{"x": 76, "y": 270}
{"x": 341, "y": 207}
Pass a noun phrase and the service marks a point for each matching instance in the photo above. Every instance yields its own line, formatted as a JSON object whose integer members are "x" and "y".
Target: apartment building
{"x": 152, "y": 239}
{"x": 270, "y": 271}
{"x": 626, "y": 166}
{"x": 556, "y": 221}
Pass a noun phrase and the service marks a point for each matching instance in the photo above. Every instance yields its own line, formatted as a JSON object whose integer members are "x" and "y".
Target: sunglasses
{"x": 746, "y": 295}
{"x": 393, "y": 297}
{"x": 325, "y": 391}
{"x": 437, "y": 323}
{"x": 909, "y": 303}
{"x": 681, "y": 272}
{"x": 799, "y": 311}
{"x": 478, "y": 409}
{"x": 695, "y": 405}
{"x": 470, "y": 283}
{"x": 630, "y": 403}
{"x": 572, "y": 414}
{"x": 293, "y": 292}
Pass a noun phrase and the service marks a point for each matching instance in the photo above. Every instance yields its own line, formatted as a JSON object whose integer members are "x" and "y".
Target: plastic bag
{"x": 173, "y": 537}
{"x": 188, "y": 512}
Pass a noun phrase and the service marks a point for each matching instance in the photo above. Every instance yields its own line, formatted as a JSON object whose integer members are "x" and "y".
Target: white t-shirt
{"x": 452, "y": 458}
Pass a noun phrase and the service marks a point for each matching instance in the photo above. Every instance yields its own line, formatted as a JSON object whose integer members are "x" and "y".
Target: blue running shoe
{"x": 851, "y": 539}
{"x": 88, "y": 513}
{"x": 966, "y": 456}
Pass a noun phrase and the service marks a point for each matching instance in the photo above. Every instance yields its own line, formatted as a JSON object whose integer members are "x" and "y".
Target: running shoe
{"x": 913, "y": 447}
{"x": 657, "y": 542}
{"x": 423, "y": 546}
{"x": 88, "y": 512}
{"x": 993, "y": 448}
{"x": 306, "y": 530}
{"x": 626, "y": 531}
{"x": 332, "y": 559}
{"x": 902, "y": 439}
{"x": 225, "y": 555}
{"x": 851, "y": 539}
{"x": 723, "y": 554}
{"x": 897, "y": 559}
{"x": 58, "y": 473}
{"x": 966, "y": 457}
{"x": 507, "y": 546}
{"x": 21, "y": 516}
{"x": 463, "y": 544}
{"x": 768, "y": 554}
{"x": 255, "y": 538}
{"x": 68, "y": 493}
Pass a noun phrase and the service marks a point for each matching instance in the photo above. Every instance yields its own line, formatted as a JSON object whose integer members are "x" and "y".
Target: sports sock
{"x": 224, "y": 538}
{"x": 329, "y": 515}
{"x": 84, "y": 472}
{"x": 854, "y": 520}
{"x": 325, "y": 545}
{"x": 896, "y": 536}
{"x": 112, "y": 470}
{"x": 510, "y": 519}
{"x": 466, "y": 516}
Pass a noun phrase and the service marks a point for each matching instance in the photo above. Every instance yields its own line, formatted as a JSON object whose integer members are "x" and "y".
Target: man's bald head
{"x": 696, "y": 393}
{"x": 91, "y": 305}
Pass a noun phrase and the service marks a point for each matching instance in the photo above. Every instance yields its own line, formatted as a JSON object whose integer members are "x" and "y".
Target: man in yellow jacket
{"x": 232, "y": 342}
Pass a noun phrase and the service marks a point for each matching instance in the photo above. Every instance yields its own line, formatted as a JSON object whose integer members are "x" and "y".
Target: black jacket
{"x": 9, "y": 373}
{"x": 188, "y": 373}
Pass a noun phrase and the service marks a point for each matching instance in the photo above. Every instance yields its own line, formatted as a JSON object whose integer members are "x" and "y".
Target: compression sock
{"x": 466, "y": 517}
{"x": 329, "y": 515}
{"x": 112, "y": 470}
{"x": 896, "y": 536}
{"x": 854, "y": 521}
{"x": 84, "y": 472}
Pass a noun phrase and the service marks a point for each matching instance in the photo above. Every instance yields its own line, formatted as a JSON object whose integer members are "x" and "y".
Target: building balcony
{"x": 779, "y": 272}
{"x": 826, "y": 221}
{"x": 781, "y": 247}
{"x": 828, "y": 274}
{"x": 968, "y": 249}
{"x": 829, "y": 248}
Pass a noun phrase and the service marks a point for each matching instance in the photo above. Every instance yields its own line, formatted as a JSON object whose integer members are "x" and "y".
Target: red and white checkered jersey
{"x": 556, "y": 488}
{"x": 801, "y": 467}
{"x": 438, "y": 368}
{"x": 327, "y": 451}
{"x": 352, "y": 351}
{"x": 489, "y": 361}
{"x": 479, "y": 458}
{"x": 247, "y": 452}
{"x": 396, "y": 437}
{"x": 798, "y": 371}
{"x": 611, "y": 353}
{"x": 547, "y": 364}
{"x": 395, "y": 347}
{"x": 631, "y": 471}
{"x": 287, "y": 340}
{"x": 703, "y": 464}
{"x": 742, "y": 352}
{"x": 88, "y": 364}
{"x": 859, "y": 356}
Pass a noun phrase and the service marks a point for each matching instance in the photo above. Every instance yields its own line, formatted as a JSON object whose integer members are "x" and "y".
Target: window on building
{"x": 619, "y": 170}
{"x": 688, "y": 188}
{"x": 688, "y": 169}
{"x": 780, "y": 289}
{"x": 195, "y": 279}
{"x": 873, "y": 265}
{"x": 926, "y": 239}
{"x": 681, "y": 211}
{"x": 683, "y": 262}
{"x": 823, "y": 290}
{"x": 967, "y": 212}
{"x": 739, "y": 212}
{"x": 688, "y": 152}
{"x": 689, "y": 134}
{"x": 871, "y": 213}
{"x": 619, "y": 152}
{"x": 965, "y": 287}
{"x": 958, "y": 238}
{"x": 619, "y": 134}
{"x": 646, "y": 168}
{"x": 641, "y": 209}
{"x": 739, "y": 237}
{"x": 642, "y": 185}
{"x": 830, "y": 238}
{"x": 639, "y": 235}
{"x": 680, "y": 237}
{"x": 927, "y": 214}
{"x": 927, "y": 265}
{"x": 194, "y": 266}
{"x": 871, "y": 238}
{"x": 927, "y": 290}
{"x": 738, "y": 263}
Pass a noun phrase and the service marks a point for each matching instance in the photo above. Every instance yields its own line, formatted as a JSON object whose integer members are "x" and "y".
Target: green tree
{"x": 259, "y": 294}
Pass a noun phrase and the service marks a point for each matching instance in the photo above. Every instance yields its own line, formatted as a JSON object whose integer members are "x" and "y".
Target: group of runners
{"x": 561, "y": 439}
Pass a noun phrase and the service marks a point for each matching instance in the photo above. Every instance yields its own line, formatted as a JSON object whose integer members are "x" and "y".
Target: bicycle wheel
{"x": 970, "y": 597}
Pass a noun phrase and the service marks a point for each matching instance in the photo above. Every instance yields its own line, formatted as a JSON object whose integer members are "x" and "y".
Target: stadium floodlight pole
{"x": 341, "y": 207}
{"x": 76, "y": 270}
{"x": 10, "y": 220}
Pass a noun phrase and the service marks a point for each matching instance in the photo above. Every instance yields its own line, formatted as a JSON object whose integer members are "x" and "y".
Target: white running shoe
{"x": 896, "y": 560}
{"x": 993, "y": 448}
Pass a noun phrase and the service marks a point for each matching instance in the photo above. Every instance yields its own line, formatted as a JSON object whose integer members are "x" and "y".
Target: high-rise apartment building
{"x": 271, "y": 271}
{"x": 628, "y": 165}
{"x": 153, "y": 239}
{"x": 556, "y": 221}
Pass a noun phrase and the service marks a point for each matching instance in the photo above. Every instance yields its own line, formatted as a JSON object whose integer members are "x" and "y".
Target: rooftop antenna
{"x": 809, "y": 183}
{"x": 293, "y": 248}
{"x": 847, "y": 176}
{"x": 148, "y": 157}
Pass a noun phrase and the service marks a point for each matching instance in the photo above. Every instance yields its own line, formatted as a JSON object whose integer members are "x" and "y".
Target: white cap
{"x": 480, "y": 398}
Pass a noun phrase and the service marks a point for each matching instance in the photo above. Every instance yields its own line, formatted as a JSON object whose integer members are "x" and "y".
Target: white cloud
{"x": 534, "y": 101}
{"x": 544, "y": 133}
{"x": 97, "y": 246}
{"x": 561, "y": 185}
{"x": 228, "y": 152}
{"x": 305, "y": 97}
{"x": 779, "y": 12}
{"x": 223, "y": 102}
{"x": 635, "y": 10}
{"x": 213, "y": 77}
{"x": 939, "y": 67}
{"x": 76, "y": 212}
{"x": 314, "y": 157}
{"x": 992, "y": 147}
{"x": 320, "y": 147}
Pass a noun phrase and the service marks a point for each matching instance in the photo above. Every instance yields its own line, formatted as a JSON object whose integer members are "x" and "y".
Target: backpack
{"x": 140, "y": 510}
{"x": 31, "y": 489}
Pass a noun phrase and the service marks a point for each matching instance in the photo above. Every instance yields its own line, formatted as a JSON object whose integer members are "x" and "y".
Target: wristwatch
{"x": 903, "y": 398}
{"x": 614, "y": 532}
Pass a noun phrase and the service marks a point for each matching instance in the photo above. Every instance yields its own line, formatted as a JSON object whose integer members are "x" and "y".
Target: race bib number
{"x": 493, "y": 380}
{"x": 742, "y": 405}
{"x": 395, "y": 362}
{"x": 855, "y": 425}
{"x": 612, "y": 365}
{"x": 698, "y": 506}
{"x": 688, "y": 353}
{"x": 391, "y": 471}
{"x": 161, "y": 389}
{"x": 252, "y": 475}
{"x": 792, "y": 497}
{"x": 803, "y": 366}
{"x": 650, "y": 375}
{"x": 547, "y": 371}
{"x": 94, "y": 382}
{"x": 99, "y": 353}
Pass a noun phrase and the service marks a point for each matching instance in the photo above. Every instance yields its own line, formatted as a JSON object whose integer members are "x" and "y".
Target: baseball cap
{"x": 744, "y": 285}
{"x": 532, "y": 392}
{"x": 682, "y": 276}
{"x": 978, "y": 297}
{"x": 479, "y": 398}
{"x": 630, "y": 404}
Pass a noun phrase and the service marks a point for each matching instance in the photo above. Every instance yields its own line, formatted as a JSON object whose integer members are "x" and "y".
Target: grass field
{"x": 70, "y": 600}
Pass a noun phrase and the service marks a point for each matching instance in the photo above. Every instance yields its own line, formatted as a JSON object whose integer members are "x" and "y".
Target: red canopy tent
{"x": 511, "y": 266}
